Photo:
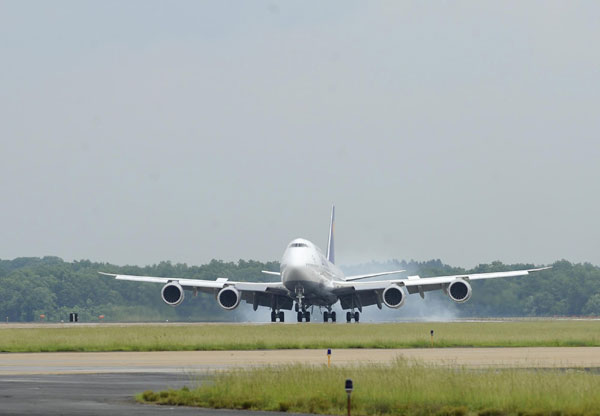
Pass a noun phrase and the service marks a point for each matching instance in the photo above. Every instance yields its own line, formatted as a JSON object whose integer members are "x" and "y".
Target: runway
{"x": 97, "y": 394}
{"x": 106, "y": 383}
{"x": 186, "y": 362}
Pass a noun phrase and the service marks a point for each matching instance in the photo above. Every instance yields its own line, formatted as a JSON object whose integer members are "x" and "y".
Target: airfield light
{"x": 349, "y": 389}
{"x": 431, "y": 332}
{"x": 328, "y": 357}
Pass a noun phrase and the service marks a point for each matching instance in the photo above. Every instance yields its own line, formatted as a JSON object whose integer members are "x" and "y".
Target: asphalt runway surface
{"x": 205, "y": 361}
{"x": 106, "y": 383}
{"x": 97, "y": 394}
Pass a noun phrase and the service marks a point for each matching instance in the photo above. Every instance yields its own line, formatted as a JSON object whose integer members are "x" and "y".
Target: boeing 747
{"x": 311, "y": 278}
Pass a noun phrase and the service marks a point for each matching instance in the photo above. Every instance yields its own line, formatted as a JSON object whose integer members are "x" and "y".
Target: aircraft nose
{"x": 292, "y": 273}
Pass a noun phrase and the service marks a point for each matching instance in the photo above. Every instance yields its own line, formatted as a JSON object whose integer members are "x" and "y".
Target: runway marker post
{"x": 349, "y": 389}
{"x": 431, "y": 332}
{"x": 328, "y": 357}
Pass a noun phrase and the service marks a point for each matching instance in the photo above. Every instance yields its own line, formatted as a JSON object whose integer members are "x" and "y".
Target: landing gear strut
{"x": 350, "y": 315}
{"x": 299, "y": 290}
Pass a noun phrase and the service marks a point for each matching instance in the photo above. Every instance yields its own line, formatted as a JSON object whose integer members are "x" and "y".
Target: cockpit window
{"x": 298, "y": 245}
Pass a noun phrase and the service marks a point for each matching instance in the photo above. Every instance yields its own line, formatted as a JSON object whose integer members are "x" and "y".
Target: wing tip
{"x": 539, "y": 269}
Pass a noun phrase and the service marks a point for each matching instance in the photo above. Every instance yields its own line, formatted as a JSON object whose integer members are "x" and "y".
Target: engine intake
{"x": 229, "y": 298}
{"x": 172, "y": 293}
{"x": 393, "y": 296}
{"x": 459, "y": 291}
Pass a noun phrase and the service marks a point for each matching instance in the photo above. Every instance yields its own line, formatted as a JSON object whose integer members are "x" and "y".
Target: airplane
{"x": 309, "y": 278}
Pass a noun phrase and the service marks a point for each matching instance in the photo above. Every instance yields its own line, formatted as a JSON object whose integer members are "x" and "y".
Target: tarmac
{"x": 206, "y": 361}
{"x": 98, "y": 394}
{"x": 105, "y": 383}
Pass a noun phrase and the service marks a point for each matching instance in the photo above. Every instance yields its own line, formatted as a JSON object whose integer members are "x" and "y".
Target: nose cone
{"x": 294, "y": 275}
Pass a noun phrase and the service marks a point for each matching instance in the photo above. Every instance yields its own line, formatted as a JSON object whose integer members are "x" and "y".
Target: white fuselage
{"x": 307, "y": 273}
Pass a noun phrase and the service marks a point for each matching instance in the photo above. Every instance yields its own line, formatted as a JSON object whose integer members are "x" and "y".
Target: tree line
{"x": 31, "y": 287}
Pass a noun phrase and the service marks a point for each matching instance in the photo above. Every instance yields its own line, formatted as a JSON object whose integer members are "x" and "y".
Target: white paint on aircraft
{"x": 310, "y": 278}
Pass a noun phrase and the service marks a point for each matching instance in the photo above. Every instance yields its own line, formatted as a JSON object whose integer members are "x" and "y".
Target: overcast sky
{"x": 135, "y": 132}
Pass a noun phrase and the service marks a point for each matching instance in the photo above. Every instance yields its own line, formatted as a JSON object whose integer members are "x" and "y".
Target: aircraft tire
{"x": 348, "y": 317}
{"x": 281, "y": 316}
{"x": 307, "y": 316}
{"x": 332, "y": 316}
{"x": 273, "y": 316}
{"x": 356, "y": 317}
{"x": 325, "y": 316}
{"x": 299, "y": 316}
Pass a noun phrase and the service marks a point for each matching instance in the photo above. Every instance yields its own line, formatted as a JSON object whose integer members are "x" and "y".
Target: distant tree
{"x": 592, "y": 306}
{"x": 30, "y": 286}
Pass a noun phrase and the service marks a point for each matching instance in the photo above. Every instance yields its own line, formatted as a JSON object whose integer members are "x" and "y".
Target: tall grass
{"x": 400, "y": 388}
{"x": 276, "y": 336}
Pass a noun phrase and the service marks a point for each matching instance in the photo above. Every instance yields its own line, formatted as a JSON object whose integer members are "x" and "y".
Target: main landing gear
{"x": 327, "y": 315}
{"x": 350, "y": 315}
{"x": 303, "y": 315}
{"x": 277, "y": 315}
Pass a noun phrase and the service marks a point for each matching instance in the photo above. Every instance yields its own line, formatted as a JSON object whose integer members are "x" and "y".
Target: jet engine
{"x": 393, "y": 296}
{"x": 172, "y": 293}
{"x": 459, "y": 291}
{"x": 229, "y": 298}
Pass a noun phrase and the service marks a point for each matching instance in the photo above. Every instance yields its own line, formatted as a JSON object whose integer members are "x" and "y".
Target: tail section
{"x": 330, "y": 247}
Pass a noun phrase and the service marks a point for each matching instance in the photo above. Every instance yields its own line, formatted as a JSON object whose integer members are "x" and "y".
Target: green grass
{"x": 276, "y": 336}
{"x": 400, "y": 388}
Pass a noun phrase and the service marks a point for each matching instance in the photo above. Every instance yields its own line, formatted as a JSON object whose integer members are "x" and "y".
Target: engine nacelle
{"x": 459, "y": 291}
{"x": 229, "y": 298}
{"x": 172, "y": 293}
{"x": 393, "y": 296}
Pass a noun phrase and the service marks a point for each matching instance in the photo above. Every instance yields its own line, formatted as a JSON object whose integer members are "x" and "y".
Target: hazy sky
{"x": 134, "y": 132}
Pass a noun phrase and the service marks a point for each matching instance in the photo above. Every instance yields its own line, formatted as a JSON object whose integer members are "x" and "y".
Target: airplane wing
{"x": 369, "y": 293}
{"x": 366, "y": 276}
{"x": 259, "y": 294}
{"x": 201, "y": 284}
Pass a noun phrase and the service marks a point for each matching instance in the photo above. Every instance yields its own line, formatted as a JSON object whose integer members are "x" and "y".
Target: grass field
{"x": 414, "y": 389}
{"x": 276, "y": 336}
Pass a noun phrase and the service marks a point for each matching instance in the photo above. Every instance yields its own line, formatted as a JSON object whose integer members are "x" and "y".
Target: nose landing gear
{"x": 302, "y": 313}
{"x": 299, "y": 291}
